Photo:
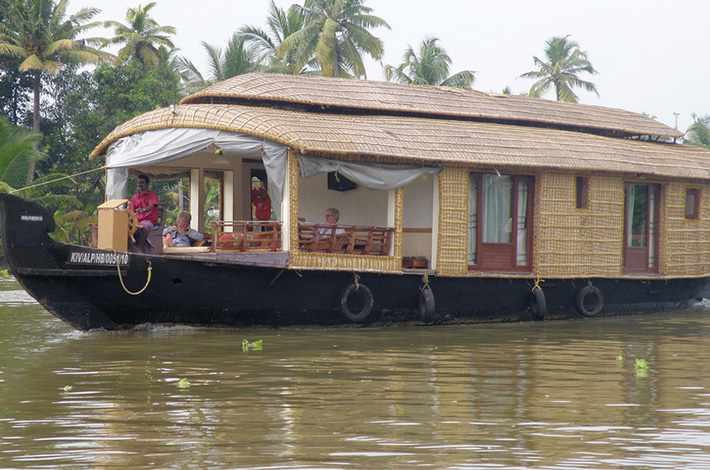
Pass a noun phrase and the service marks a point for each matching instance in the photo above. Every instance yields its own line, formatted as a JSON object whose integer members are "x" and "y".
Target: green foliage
{"x": 335, "y": 34}
{"x": 698, "y": 133}
{"x": 281, "y": 24}
{"x": 564, "y": 62}
{"x": 118, "y": 93}
{"x": 429, "y": 67}
{"x": 183, "y": 383}
{"x": 255, "y": 346}
{"x": 141, "y": 37}
{"x": 17, "y": 152}
{"x": 73, "y": 226}
{"x": 15, "y": 87}
{"x": 641, "y": 368}
{"x": 38, "y": 34}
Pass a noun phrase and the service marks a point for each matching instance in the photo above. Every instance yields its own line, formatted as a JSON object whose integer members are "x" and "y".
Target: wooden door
{"x": 641, "y": 203}
{"x": 504, "y": 222}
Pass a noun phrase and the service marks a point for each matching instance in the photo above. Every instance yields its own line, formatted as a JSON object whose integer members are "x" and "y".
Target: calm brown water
{"x": 554, "y": 395}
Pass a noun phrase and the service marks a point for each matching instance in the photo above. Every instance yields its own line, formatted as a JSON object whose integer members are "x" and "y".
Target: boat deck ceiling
{"x": 431, "y": 142}
{"x": 349, "y": 96}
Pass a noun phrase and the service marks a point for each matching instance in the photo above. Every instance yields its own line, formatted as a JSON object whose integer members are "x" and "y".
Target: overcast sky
{"x": 652, "y": 56}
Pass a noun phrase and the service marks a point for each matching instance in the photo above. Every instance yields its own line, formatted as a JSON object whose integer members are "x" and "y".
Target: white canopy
{"x": 151, "y": 148}
{"x": 148, "y": 149}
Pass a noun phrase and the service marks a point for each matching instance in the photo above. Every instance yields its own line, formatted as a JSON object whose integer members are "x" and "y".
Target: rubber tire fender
{"x": 582, "y": 296}
{"x": 427, "y": 306}
{"x": 365, "y": 310}
{"x": 538, "y": 304}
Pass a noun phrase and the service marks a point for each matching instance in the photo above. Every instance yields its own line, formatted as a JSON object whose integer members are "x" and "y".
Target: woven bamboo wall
{"x": 304, "y": 260}
{"x": 573, "y": 242}
{"x": 453, "y": 223}
{"x": 687, "y": 241}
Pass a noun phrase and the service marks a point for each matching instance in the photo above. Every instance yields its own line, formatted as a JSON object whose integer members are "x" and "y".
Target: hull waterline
{"x": 91, "y": 288}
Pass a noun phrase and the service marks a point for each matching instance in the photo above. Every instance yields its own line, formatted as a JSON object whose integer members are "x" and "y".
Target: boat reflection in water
{"x": 561, "y": 394}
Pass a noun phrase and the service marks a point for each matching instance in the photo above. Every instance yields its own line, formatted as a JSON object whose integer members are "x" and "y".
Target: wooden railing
{"x": 352, "y": 239}
{"x": 246, "y": 235}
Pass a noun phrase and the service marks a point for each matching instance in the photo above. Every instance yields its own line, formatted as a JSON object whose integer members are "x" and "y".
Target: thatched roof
{"x": 334, "y": 95}
{"x": 427, "y": 141}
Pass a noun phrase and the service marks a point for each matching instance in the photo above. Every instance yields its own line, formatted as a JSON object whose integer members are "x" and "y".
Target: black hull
{"x": 82, "y": 286}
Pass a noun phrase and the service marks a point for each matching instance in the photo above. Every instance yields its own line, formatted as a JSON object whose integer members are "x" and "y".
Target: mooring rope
{"x": 537, "y": 283}
{"x": 425, "y": 282}
{"x": 120, "y": 277}
{"x": 55, "y": 180}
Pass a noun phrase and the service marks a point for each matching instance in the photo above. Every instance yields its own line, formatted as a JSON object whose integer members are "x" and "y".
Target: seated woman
{"x": 181, "y": 234}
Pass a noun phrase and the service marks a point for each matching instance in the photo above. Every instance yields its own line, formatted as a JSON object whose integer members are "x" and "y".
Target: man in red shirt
{"x": 145, "y": 203}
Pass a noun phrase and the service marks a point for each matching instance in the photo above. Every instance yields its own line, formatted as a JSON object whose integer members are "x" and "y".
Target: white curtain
{"x": 473, "y": 220}
{"x": 522, "y": 235}
{"x": 651, "y": 227}
{"x": 630, "y": 199}
{"x": 377, "y": 176}
{"x": 496, "y": 214}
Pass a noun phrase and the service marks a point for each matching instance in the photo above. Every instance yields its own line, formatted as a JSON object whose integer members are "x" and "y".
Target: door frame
{"x": 636, "y": 259}
{"x": 491, "y": 254}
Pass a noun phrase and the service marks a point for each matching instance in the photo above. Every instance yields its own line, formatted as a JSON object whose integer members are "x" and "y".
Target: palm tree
{"x": 698, "y": 133}
{"x": 281, "y": 24}
{"x": 141, "y": 36}
{"x": 336, "y": 33}
{"x": 236, "y": 59}
{"x": 429, "y": 67}
{"x": 17, "y": 151}
{"x": 564, "y": 62}
{"x": 37, "y": 33}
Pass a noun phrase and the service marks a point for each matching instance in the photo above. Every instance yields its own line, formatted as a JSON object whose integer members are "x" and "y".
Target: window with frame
{"x": 692, "y": 203}
{"x": 499, "y": 225}
{"x": 582, "y": 192}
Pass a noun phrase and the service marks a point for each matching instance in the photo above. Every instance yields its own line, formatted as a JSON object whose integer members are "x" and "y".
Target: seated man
{"x": 181, "y": 234}
{"x": 145, "y": 204}
{"x": 332, "y": 216}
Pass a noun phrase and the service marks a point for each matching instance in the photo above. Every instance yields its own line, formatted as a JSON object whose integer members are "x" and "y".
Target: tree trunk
{"x": 35, "y": 123}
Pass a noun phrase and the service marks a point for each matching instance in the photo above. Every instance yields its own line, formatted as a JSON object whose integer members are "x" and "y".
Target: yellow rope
{"x": 356, "y": 279}
{"x": 537, "y": 283}
{"x": 120, "y": 278}
{"x": 425, "y": 281}
{"x": 58, "y": 179}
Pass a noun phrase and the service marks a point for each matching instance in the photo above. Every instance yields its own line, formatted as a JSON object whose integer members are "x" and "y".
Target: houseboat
{"x": 455, "y": 206}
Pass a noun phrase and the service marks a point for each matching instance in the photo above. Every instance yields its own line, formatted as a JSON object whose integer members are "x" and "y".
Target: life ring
{"x": 427, "y": 307}
{"x": 538, "y": 304}
{"x": 366, "y": 307}
{"x": 582, "y": 302}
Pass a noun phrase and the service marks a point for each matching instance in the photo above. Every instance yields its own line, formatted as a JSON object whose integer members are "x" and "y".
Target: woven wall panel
{"x": 573, "y": 242}
{"x": 452, "y": 251}
{"x": 686, "y": 242}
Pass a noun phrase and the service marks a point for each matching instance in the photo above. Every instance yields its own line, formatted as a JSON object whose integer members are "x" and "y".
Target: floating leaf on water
{"x": 641, "y": 364}
{"x": 68, "y": 388}
{"x": 183, "y": 383}
{"x": 255, "y": 346}
{"x": 620, "y": 357}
